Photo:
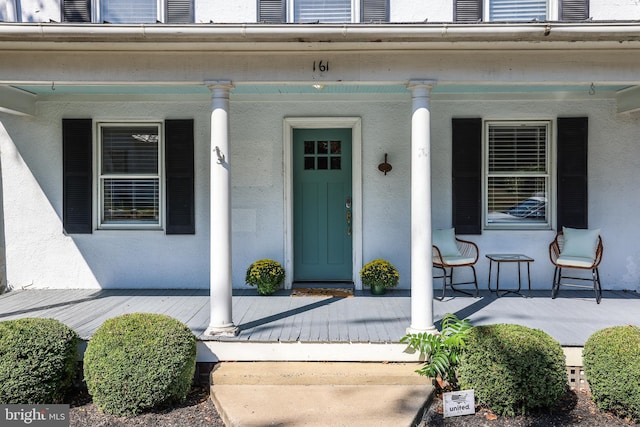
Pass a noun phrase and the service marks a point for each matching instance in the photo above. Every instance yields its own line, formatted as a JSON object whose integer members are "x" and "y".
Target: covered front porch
{"x": 311, "y": 328}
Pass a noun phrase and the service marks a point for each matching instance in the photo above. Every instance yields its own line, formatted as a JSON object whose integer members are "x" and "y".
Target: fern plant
{"x": 441, "y": 352}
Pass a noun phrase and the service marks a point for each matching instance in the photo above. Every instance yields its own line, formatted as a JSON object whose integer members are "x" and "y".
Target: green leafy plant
{"x": 266, "y": 274}
{"x": 512, "y": 368}
{"x": 38, "y": 361}
{"x": 611, "y": 360}
{"x": 140, "y": 361}
{"x": 441, "y": 352}
{"x": 380, "y": 272}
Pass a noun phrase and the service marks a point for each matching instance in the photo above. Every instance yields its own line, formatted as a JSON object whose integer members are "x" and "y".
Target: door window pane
{"x": 323, "y": 155}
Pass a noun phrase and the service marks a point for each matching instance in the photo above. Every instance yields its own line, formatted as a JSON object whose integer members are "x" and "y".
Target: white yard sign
{"x": 461, "y": 402}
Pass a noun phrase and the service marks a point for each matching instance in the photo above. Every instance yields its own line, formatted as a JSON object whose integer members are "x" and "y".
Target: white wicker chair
{"x": 562, "y": 263}
{"x": 467, "y": 256}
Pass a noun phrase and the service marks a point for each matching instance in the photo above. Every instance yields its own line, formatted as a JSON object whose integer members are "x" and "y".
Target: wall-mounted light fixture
{"x": 385, "y": 166}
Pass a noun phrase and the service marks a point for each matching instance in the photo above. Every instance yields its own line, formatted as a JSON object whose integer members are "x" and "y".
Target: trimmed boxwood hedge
{"x": 139, "y": 361}
{"x": 611, "y": 359}
{"x": 513, "y": 369}
{"x": 38, "y": 360}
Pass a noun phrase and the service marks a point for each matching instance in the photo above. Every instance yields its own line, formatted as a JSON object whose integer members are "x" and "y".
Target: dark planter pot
{"x": 378, "y": 290}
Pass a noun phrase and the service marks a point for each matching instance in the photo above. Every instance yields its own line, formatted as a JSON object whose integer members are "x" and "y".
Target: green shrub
{"x": 513, "y": 369}
{"x": 611, "y": 360}
{"x": 139, "y": 361}
{"x": 38, "y": 360}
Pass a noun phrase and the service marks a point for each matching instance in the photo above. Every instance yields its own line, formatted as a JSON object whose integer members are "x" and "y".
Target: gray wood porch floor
{"x": 570, "y": 318}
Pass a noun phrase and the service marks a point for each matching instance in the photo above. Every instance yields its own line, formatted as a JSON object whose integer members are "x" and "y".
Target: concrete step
{"x": 318, "y": 373}
{"x": 252, "y": 394}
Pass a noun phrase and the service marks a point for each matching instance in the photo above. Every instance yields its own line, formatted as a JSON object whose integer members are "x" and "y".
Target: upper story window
{"x": 321, "y": 11}
{"x": 517, "y": 10}
{"x": 520, "y": 10}
{"x": 324, "y": 11}
{"x": 517, "y": 176}
{"x": 128, "y": 11}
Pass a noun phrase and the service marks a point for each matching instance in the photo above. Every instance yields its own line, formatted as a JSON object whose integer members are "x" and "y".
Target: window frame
{"x": 553, "y": 7}
{"x": 549, "y": 175}
{"x": 290, "y": 12}
{"x": 96, "y": 11}
{"x": 99, "y": 177}
{"x": 94, "y": 15}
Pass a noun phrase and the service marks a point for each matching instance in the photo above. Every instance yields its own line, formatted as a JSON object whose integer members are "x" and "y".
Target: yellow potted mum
{"x": 379, "y": 275}
{"x": 266, "y": 274}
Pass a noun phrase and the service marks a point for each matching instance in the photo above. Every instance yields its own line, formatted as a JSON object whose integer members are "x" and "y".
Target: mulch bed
{"x": 575, "y": 409}
{"x": 197, "y": 411}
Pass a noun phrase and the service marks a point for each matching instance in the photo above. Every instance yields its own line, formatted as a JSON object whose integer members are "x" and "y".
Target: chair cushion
{"x": 445, "y": 240}
{"x": 455, "y": 260}
{"x": 574, "y": 261}
{"x": 579, "y": 243}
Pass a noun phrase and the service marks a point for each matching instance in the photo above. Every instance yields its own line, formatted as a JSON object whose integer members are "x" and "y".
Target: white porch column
{"x": 421, "y": 263}
{"x": 221, "y": 319}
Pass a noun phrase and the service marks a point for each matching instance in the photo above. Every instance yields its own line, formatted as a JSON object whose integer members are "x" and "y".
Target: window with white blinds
{"x": 128, "y": 11}
{"x": 517, "y": 174}
{"x": 517, "y": 10}
{"x": 322, "y": 11}
{"x": 129, "y": 174}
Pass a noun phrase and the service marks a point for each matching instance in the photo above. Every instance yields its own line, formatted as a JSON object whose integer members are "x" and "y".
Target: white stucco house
{"x": 171, "y": 144}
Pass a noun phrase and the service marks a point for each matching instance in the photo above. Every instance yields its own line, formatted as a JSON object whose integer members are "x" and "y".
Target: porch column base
{"x": 430, "y": 330}
{"x": 223, "y": 331}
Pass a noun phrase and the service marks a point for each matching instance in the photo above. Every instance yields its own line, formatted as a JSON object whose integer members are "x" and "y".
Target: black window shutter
{"x": 77, "y": 176}
{"x": 467, "y": 10}
{"x": 572, "y": 172}
{"x": 467, "y": 175}
{"x": 574, "y": 10}
{"x": 76, "y": 10}
{"x": 180, "y": 12}
{"x": 179, "y": 169}
{"x": 271, "y": 11}
{"x": 375, "y": 11}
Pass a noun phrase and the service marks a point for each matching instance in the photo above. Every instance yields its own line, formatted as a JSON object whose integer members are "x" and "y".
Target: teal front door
{"x": 322, "y": 212}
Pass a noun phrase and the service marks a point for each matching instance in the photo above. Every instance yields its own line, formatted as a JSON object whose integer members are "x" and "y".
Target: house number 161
{"x": 321, "y": 66}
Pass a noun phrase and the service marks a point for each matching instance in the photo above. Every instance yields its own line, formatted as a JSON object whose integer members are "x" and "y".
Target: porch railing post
{"x": 220, "y": 299}
{"x": 421, "y": 262}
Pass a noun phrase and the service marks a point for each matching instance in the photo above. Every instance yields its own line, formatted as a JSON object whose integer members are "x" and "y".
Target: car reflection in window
{"x": 532, "y": 209}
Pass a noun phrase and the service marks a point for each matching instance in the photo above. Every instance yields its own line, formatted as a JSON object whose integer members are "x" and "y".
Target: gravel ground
{"x": 576, "y": 409}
